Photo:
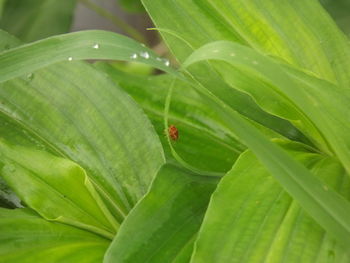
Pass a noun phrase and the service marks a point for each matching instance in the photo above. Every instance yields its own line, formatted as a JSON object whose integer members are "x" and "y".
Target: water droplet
{"x": 143, "y": 45}
{"x": 232, "y": 54}
{"x": 215, "y": 51}
{"x": 325, "y": 188}
{"x": 167, "y": 63}
{"x": 30, "y": 76}
{"x": 134, "y": 56}
{"x": 159, "y": 59}
{"x": 96, "y": 46}
{"x": 144, "y": 55}
{"x": 255, "y": 62}
{"x": 70, "y": 58}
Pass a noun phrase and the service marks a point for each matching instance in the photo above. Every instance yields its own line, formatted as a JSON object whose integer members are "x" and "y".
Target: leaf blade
{"x": 162, "y": 226}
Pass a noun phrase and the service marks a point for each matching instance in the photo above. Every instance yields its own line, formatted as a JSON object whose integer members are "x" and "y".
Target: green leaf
{"x": 187, "y": 27}
{"x": 93, "y": 44}
{"x": 340, "y": 12}
{"x": 313, "y": 99}
{"x": 8, "y": 41}
{"x": 327, "y": 208}
{"x": 31, "y": 20}
{"x": 251, "y": 219}
{"x": 27, "y": 238}
{"x": 56, "y": 188}
{"x": 204, "y": 141}
{"x": 163, "y": 225}
{"x": 133, "y": 6}
{"x": 75, "y": 112}
{"x": 262, "y": 25}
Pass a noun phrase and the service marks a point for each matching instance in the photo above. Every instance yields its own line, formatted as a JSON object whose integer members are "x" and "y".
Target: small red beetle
{"x": 173, "y": 133}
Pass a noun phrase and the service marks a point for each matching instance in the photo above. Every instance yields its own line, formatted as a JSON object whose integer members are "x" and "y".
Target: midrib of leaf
{"x": 262, "y": 224}
{"x": 285, "y": 218}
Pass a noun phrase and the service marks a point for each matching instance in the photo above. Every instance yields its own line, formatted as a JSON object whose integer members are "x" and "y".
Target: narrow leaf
{"x": 92, "y": 44}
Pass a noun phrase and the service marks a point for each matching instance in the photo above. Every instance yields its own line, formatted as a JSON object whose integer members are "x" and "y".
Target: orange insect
{"x": 173, "y": 133}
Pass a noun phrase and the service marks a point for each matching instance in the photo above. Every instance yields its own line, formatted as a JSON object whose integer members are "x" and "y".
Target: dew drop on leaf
{"x": 96, "y": 46}
{"x": 134, "y": 56}
{"x": 70, "y": 58}
{"x": 144, "y": 55}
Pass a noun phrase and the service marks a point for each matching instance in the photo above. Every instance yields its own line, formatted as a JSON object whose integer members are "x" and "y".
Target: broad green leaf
{"x": 251, "y": 219}
{"x": 58, "y": 189}
{"x": 75, "y": 112}
{"x": 93, "y": 44}
{"x": 31, "y": 20}
{"x": 300, "y": 32}
{"x": 186, "y": 28}
{"x": 25, "y": 238}
{"x": 328, "y": 208}
{"x": 204, "y": 141}
{"x": 163, "y": 225}
{"x": 315, "y": 99}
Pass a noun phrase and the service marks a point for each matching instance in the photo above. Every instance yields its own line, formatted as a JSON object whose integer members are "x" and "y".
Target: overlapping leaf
{"x": 252, "y": 219}
{"x": 313, "y": 99}
{"x": 201, "y": 27}
{"x": 163, "y": 225}
{"x": 204, "y": 141}
{"x": 75, "y": 112}
{"x": 56, "y": 188}
{"x": 25, "y": 238}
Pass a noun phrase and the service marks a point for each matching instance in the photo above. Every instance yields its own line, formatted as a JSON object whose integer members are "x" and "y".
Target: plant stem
{"x": 131, "y": 31}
